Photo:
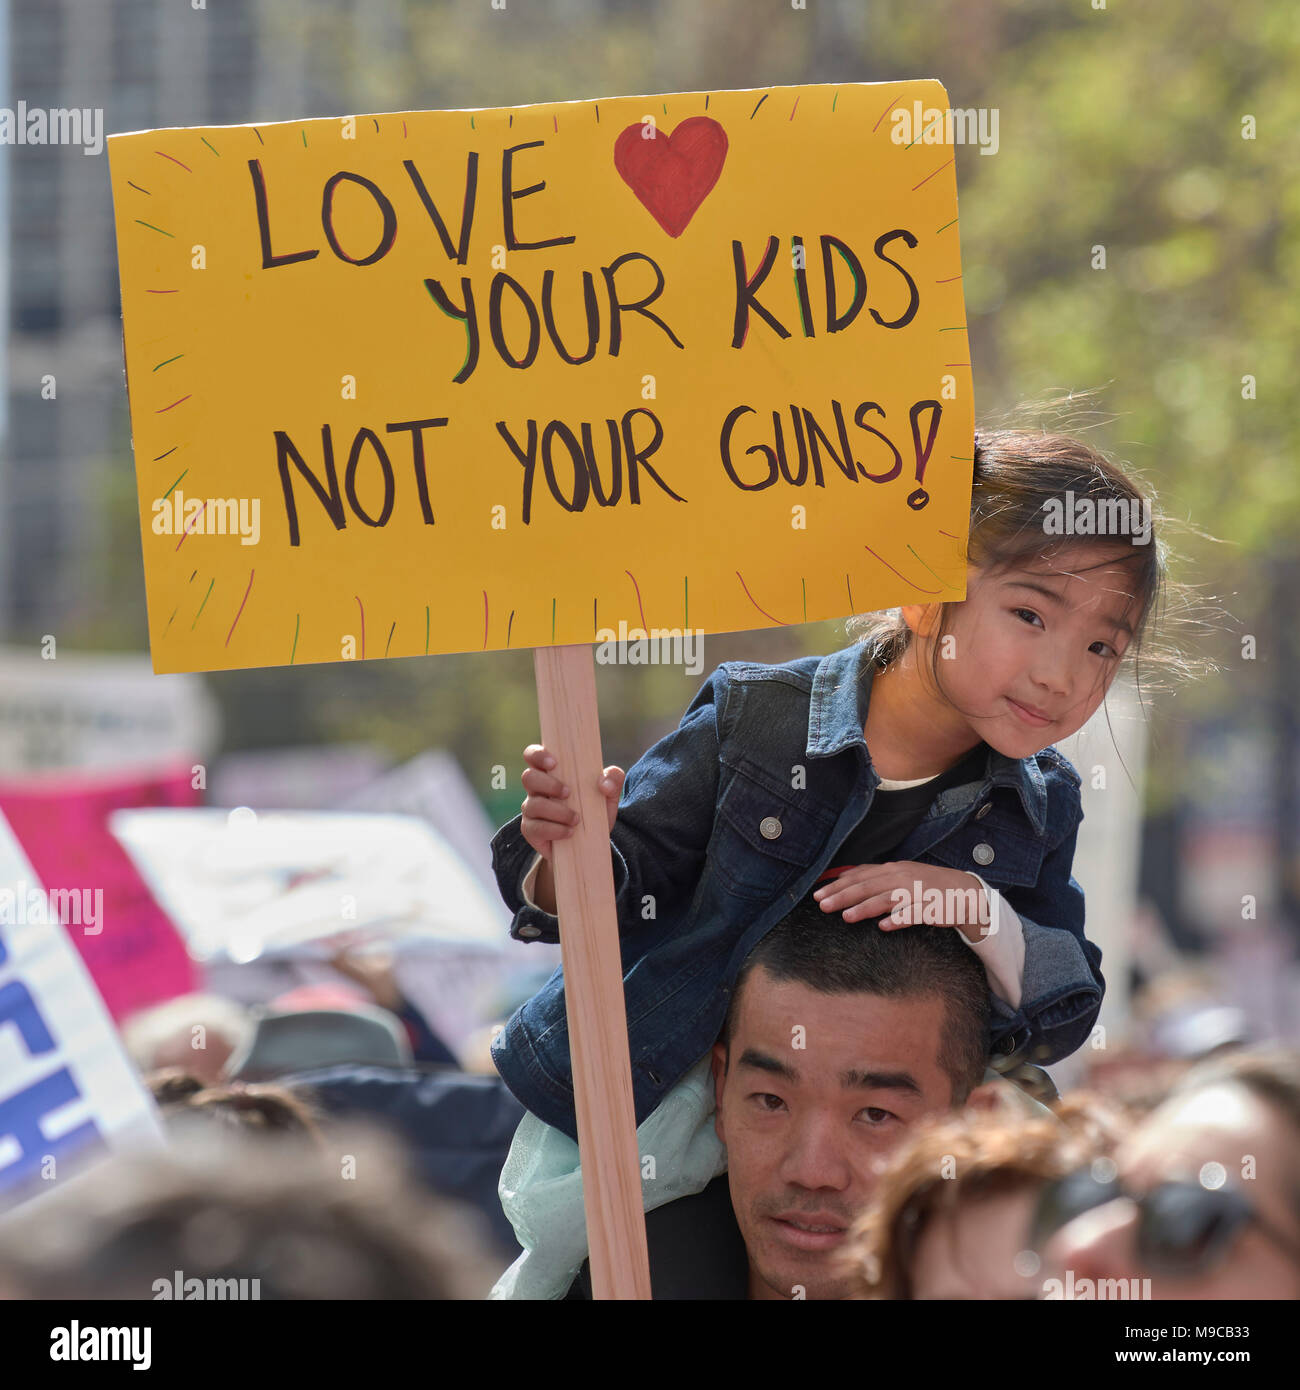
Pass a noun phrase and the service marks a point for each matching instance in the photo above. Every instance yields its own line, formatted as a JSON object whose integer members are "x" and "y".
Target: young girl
{"x": 908, "y": 777}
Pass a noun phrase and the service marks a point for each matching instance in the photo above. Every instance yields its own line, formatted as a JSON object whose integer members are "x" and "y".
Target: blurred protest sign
{"x": 131, "y": 949}
{"x": 698, "y": 360}
{"x": 303, "y": 778}
{"x": 434, "y": 787}
{"x": 67, "y": 1089}
{"x": 356, "y": 777}
{"x": 240, "y": 885}
{"x": 285, "y": 889}
{"x": 91, "y": 711}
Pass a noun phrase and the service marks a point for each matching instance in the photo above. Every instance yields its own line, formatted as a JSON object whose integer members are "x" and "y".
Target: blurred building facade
{"x": 145, "y": 63}
{"x": 65, "y": 461}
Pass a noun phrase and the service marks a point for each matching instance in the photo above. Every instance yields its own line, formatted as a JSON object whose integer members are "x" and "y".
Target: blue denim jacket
{"x": 687, "y": 839}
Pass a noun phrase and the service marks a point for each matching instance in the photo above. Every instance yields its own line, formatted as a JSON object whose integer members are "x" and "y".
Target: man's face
{"x": 819, "y": 1090}
{"x": 1220, "y": 1136}
{"x": 1034, "y": 653}
{"x": 207, "y": 1063}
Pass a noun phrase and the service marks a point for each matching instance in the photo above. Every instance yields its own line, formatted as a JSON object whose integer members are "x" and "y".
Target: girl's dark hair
{"x": 1019, "y": 476}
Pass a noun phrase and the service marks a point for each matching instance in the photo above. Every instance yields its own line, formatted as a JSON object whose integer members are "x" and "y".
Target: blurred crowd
{"x": 330, "y": 1145}
{"x": 325, "y": 1144}
{"x": 1104, "y": 1197}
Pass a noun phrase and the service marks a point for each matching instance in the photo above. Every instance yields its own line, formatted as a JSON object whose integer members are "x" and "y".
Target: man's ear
{"x": 719, "y": 1064}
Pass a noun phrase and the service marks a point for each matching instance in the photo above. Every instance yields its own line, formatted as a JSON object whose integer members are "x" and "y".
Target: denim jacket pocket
{"x": 764, "y": 838}
{"x": 1003, "y": 856}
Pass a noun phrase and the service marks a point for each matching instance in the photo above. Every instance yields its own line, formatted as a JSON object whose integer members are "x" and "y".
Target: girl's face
{"x": 1036, "y": 650}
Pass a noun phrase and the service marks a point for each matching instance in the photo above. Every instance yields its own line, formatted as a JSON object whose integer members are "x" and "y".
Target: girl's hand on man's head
{"x": 905, "y": 890}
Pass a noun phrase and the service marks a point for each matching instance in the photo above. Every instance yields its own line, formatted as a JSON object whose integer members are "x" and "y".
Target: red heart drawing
{"x": 672, "y": 174}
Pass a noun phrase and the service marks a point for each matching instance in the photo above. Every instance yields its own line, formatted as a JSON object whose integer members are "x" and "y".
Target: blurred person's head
{"x": 194, "y": 1032}
{"x": 1201, "y": 1032}
{"x": 1134, "y": 1080}
{"x": 1098, "y": 1121}
{"x": 260, "y": 1108}
{"x": 954, "y": 1214}
{"x": 1189, "y": 983}
{"x": 838, "y": 1037}
{"x": 1204, "y": 1200}
{"x": 283, "y": 1042}
{"x": 230, "y": 1209}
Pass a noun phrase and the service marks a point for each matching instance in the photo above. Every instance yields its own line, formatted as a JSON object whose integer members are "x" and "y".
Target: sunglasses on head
{"x": 1183, "y": 1228}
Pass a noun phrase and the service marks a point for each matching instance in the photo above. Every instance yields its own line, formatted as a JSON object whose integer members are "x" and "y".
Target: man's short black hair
{"x": 826, "y": 953}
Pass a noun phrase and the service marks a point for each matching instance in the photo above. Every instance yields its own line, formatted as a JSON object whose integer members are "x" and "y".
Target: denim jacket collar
{"x": 837, "y": 716}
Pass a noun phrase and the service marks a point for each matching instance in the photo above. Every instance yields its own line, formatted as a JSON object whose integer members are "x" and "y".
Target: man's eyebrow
{"x": 1118, "y": 624}
{"x": 853, "y": 1080}
{"x": 761, "y": 1061}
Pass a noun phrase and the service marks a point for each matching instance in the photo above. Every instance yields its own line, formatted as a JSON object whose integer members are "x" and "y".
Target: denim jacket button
{"x": 984, "y": 810}
{"x": 769, "y": 827}
{"x": 530, "y": 933}
{"x": 982, "y": 854}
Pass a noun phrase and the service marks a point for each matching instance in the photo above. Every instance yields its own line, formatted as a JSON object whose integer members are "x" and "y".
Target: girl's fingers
{"x": 855, "y": 895}
{"x": 536, "y": 827}
{"x": 860, "y": 877}
{"x": 540, "y": 834}
{"x": 544, "y": 808}
{"x": 611, "y": 786}
{"x": 546, "y": 803}
{"x": 857, "y": 906}
{"x": 537, "y": 756}
{"x": 543, "y": 784}
{"x": 875, "y": 907}
{"x": 542, "y": 777}
{"x": 898, "y": 917}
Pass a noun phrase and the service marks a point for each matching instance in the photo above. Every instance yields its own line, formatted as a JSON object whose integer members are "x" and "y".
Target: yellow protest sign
{"x": 466, "y": 380}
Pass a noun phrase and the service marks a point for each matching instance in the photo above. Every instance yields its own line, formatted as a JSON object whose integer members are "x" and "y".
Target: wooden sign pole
{"x": 593, "y": 981}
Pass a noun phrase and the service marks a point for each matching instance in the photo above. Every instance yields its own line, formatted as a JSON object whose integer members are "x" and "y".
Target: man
{"x": 838, "y": 1037}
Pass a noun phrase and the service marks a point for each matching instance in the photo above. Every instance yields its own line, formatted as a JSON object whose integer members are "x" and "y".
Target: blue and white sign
{"x": 67, "y": 1087}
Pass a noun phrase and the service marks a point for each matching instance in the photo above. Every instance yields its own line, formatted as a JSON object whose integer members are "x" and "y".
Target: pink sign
{"x": 87, "y": 881}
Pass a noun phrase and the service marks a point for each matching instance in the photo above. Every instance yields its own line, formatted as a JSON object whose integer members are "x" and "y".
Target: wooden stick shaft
{"x": 593, "y": 981}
